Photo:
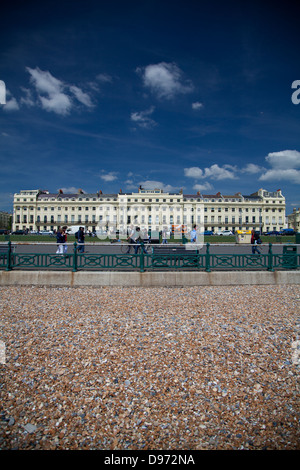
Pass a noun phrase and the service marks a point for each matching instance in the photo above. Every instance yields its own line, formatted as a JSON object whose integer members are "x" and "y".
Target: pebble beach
{"x": 112, "y": 368}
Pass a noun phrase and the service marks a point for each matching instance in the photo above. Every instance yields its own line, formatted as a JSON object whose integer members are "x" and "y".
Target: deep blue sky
{"x": 174, "y": 94}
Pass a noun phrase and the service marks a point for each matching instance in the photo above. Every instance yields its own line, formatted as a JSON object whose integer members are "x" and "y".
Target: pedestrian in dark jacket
{"x": 80, "y": 240}
{"x": 60, "y": 242}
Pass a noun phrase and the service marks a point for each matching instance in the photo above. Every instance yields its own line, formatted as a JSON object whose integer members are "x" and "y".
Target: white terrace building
{"x": 149, "y": 209}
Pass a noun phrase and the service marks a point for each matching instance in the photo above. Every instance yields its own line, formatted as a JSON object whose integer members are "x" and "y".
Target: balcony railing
{"x": 181, "y": 259}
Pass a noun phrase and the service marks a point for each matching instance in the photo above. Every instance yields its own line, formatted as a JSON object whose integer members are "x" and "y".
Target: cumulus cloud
{"x": 214, "y": 171}
{"x": 291, "y": 175}
{"x": 142, "y": 118}
{"x": 111, "y": 176}
{"x": 165, "y": 80}
{"x": 194, "y": 172}
{"x": 284, "y": 166}
{"x": 284, "y": 159}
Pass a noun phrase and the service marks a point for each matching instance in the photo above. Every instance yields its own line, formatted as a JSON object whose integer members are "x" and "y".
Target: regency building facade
{"x": 153, "y": 210}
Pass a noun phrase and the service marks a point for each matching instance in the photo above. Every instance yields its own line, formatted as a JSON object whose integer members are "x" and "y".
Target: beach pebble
{"x": 119, "y": 368}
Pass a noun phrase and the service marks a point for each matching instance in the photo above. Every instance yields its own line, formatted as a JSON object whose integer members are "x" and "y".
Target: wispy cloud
{"x": 50, "y": 91}
{"x": 165, "y": 80}
{"x": 142, "y": 118}
{"x": 81, "y": 96}
{"x": 252, "y": 169}
{"x": 11, "y": 102}
{"x": 197, "y": 105}
{"x": 51, "y": 94}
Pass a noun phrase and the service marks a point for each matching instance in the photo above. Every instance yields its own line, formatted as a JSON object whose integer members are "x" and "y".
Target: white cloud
{"x": 214, "y": 171}
{"x": 284, "y": 159}
{"x": 219, "y": 173}
{"x": 165, "y": 80}
{"x": 82, "y": 97}
{"x": 284, "y": 166}
{"x": 11, "y": 105}
{"x": 291, "y": 175}
{"x": 194, "y": 172}
{"x": 70, "y": 190}
{"x": 53, "y": 94}
{"x": 202, "y": 187}
{"x": 152, "y": 184}
{"x": 11, "y": 102}
{"x": 197, "y": 105}
{"x": 142, "y": 118}
{"x": 104, "y": 78}
{"x": 27, "y": 99}
{"x": 251, "y": 168}
{"x": 111, "y": 176}
{"x": 58, "y": 103}
{"x": 46, "y": 84}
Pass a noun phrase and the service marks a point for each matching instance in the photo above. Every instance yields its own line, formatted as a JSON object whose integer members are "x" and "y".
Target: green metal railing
{"x": 206, "y": 261}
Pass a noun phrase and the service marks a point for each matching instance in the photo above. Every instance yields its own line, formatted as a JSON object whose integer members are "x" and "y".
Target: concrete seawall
{"x": 147, "y": 279}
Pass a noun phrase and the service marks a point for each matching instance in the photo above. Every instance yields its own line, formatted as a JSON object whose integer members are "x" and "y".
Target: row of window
{"x": 108, "y": 208}
{"x": 142, "y": 219}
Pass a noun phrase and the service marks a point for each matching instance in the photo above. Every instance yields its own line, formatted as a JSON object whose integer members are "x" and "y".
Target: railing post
{"x": 142, "y": 260}
{"x": 8, "y": 264}
{"x": 270, "y": 258}
{"x": 207, "y": 256}
{"x": 75, "y": 257}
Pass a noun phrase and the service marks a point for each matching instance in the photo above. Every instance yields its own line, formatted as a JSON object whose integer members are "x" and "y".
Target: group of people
{"x": 61, "y": 238}
{"x": 134, "y": 239}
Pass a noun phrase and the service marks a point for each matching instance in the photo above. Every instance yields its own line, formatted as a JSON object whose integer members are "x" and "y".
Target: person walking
{"x": 80, "y": 239}
{"x": 60, "y": 242}
{"x": 255, "y": 240}
{"x": 194, "y": 234}
{"x": 65, "y": 235}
